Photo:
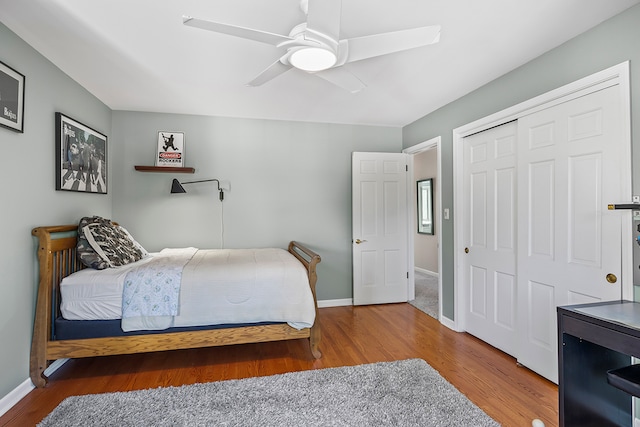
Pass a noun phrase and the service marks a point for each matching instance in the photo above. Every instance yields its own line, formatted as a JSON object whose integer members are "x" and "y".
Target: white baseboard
{"x": 335, "y": 302}
{"x": 449, "y": 323}
{"x": 425, "y": 271}
{"x": 54, "y": 366}
{"x": 15, "y": 395}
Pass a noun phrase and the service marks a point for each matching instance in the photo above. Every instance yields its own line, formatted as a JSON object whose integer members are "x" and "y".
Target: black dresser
{"x": 596, "y": 378}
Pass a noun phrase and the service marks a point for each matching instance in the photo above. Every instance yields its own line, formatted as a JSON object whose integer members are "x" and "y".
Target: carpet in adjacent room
{"x": 427, "y": 293}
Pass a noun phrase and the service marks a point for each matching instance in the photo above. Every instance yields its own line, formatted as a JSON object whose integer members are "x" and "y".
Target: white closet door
{"x": 568, "y": 242}
{"x": 490, "y": 236}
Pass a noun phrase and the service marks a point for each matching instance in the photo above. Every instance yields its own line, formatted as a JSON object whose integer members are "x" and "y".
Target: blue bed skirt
{"x": 81, "y": 329}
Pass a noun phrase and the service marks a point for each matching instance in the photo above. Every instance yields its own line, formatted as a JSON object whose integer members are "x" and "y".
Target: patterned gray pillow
{"x": 85, "y": 252}
{"x": 110, "y": 244}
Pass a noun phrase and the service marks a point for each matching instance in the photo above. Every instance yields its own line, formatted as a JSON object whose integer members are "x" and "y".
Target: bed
{"x": 55, "y": 337}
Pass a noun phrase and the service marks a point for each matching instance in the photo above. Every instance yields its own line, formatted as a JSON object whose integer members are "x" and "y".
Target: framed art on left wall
{"x": 11, "y": 98}
{"x": 81, "y": 157}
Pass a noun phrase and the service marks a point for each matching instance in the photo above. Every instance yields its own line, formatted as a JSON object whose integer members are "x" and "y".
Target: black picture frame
{"x": 81, "y": 157}
{"x": 11, "y": 98}
{"x": 426, "y": 222}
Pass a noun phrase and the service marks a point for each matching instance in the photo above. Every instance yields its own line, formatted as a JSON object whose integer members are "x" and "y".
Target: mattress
{"x": 219, "y": 286}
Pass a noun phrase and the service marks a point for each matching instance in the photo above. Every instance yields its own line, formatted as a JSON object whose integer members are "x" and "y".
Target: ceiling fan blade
{"x": 273, "y": 71}
{"x": 323, "y": 17}
{"x": 233, "y": 30}
{"x": 385, "y": 43}
{"x": 343, "y": 78}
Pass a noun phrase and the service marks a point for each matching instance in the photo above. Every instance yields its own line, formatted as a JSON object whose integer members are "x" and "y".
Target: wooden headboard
{"x": 57, "y": 259}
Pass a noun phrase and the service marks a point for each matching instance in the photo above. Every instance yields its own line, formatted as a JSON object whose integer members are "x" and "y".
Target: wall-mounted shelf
{"x": 164, "y": 169}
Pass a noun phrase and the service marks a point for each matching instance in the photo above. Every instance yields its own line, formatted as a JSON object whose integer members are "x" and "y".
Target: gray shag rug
{"x": 401, "y": 393}
{"x": 426, "y": 294}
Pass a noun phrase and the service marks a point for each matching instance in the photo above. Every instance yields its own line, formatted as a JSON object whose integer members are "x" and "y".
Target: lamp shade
{"x": 176, "y": 187}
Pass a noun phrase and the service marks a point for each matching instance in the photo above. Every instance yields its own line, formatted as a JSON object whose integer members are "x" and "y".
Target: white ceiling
{"x": 137, "y": 54}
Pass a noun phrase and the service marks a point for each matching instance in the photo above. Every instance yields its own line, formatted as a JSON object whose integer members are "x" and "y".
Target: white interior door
{"x": 380, "y": 271}
{"x": 569, "y": 243}
{"x": 490, "y": 236}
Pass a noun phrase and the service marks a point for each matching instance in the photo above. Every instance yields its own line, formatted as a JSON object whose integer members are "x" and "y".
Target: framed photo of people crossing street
{"x": 81, "y": 157}
{"x": 170, "y": 149}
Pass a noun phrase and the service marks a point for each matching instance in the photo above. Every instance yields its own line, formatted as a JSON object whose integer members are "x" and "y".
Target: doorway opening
{"x": 425, "y": 250}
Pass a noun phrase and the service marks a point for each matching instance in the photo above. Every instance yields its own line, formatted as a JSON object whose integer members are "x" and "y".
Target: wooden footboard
{"x": 310, "y": 259}
{"x": 57, "y": 259}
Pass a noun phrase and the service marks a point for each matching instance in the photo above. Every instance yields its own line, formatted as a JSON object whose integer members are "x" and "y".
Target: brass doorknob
{"x": 466, "y": 250}
{"x": 611, "y": 278}
{"x": 358, "y": 241}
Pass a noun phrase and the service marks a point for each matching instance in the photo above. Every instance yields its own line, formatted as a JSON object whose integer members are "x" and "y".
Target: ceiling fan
{"x": 314, "y": 46}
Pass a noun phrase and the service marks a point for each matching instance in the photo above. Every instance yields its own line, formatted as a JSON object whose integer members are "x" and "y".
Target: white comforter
{"x": 219, "y": 286}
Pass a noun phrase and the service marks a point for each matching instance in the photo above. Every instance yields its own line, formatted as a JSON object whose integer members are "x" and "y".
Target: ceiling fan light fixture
{"x": 313, "y": 59}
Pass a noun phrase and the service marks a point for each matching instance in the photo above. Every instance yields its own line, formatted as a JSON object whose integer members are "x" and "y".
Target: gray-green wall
{"x": 289, "y": 181}
{"x": 608, "y": 44}
{"x": 28, "y": 197}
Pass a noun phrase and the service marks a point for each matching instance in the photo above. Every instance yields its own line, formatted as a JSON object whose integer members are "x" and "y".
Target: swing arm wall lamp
{"x": 176, "y": 186}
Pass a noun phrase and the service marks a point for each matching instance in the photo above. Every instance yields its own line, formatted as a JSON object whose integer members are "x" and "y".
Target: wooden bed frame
{"x": 57, "y": 259}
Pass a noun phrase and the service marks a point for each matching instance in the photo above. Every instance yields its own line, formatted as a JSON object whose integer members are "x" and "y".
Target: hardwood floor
{"x": 510, "y": 394}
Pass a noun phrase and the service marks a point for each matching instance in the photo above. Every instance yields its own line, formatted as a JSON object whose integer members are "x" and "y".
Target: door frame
{"x": 617, "y": 75}
{"x": 433, "y": 143}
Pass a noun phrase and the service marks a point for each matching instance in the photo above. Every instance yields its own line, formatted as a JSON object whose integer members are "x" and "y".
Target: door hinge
{"x": 407, "y": 274}
{"x": 406, "y": 168}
